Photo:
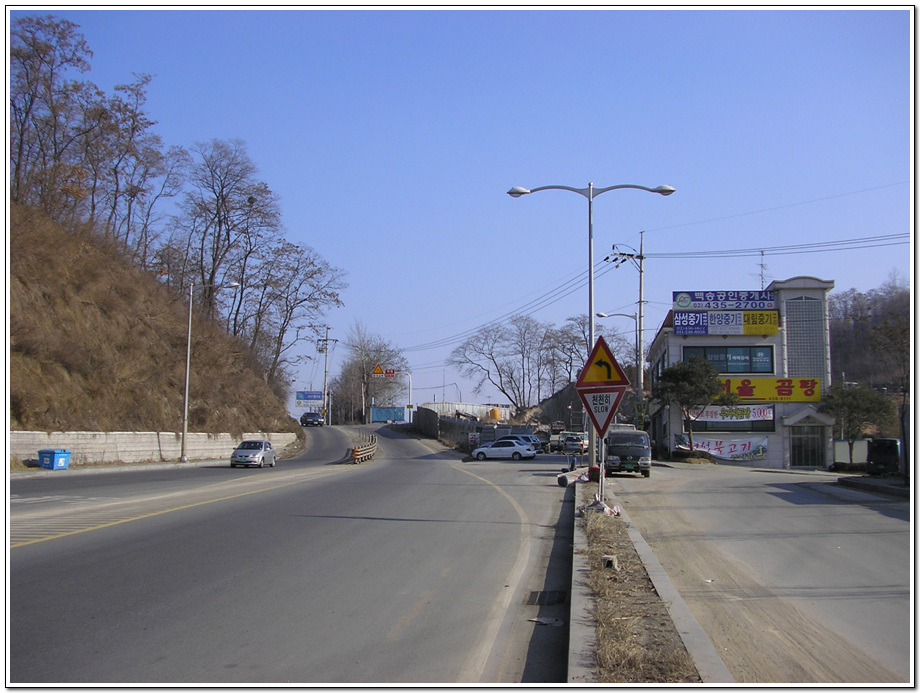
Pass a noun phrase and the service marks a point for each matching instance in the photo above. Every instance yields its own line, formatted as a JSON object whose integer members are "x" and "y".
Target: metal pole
{"x": 592, "y": 434}
{"x": 409, "y": 375}
{"x": 640, "y": 365}
{"x": 188, "y": 363}
{"x": 326, "y": 418}
{"x": 592, "y": 453}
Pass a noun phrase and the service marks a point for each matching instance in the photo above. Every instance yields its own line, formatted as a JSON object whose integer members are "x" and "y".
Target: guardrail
{"x": 365, "y": 451}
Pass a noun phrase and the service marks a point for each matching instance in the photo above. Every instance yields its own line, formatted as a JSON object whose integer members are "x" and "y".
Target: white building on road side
{"x": 772, "y": 349}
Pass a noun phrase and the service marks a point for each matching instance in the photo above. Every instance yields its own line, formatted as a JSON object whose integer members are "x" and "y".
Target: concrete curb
{"x": 582, "y": 628}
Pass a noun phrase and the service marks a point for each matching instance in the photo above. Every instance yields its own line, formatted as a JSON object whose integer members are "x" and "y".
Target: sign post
{"x": 601, "y": 387}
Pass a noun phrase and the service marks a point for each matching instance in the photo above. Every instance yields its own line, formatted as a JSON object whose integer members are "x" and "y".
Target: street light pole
{"x": 590, "y": 193}
{"x": 188, "y": 357}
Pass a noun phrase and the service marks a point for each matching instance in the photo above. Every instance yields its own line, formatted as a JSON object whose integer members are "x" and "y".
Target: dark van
{"x": 628, "y": 450}
{"x": 883, "y": 456}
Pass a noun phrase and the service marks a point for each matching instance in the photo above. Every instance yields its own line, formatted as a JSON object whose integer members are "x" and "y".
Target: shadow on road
{"x": 547, "y": 655}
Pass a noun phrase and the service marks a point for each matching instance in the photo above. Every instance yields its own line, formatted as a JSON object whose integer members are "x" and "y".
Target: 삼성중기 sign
{"x": 700, "y": 322}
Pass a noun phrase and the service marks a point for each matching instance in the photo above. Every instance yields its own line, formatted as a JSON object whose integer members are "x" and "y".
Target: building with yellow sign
{"x": 772, "y": 349}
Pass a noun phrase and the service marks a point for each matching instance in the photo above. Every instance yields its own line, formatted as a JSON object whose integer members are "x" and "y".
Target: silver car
{"x": 253, "y": 453}
{"x": 514, "y": 449}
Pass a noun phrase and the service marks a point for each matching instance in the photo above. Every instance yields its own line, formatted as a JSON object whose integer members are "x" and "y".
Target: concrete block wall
{"x": 99, "y": 448}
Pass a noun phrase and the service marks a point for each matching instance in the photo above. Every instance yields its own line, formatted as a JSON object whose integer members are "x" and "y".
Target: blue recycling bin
{"x": 54, "y": 459}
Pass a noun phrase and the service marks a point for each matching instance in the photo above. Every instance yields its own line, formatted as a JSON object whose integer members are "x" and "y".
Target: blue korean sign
{"x": 303, "y": 398}
{"x": 724, "y": 300}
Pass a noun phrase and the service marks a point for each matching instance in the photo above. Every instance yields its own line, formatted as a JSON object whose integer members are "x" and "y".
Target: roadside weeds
{"x": 636, "y": 640}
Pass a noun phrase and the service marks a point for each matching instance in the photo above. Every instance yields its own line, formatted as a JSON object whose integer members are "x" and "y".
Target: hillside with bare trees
{"x": 96, "y": 344}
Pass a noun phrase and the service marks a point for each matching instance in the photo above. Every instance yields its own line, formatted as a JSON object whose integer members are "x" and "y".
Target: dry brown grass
{"x": 98, "y": 345}
{"x": 637, "y": 641}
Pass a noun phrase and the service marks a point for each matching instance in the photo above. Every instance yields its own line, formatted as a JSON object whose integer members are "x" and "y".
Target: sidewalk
{"x": 885, "y": 485}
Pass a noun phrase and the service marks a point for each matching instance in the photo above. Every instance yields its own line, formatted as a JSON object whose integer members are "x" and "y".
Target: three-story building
{"x": 772, "y": 349}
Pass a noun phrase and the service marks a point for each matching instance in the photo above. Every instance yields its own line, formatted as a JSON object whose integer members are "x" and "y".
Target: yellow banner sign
{"x": 775, "y": 389}
{"x": 761, "y": 322}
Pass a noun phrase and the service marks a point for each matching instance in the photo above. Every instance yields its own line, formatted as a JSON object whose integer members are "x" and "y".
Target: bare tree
{"x": 482, "y": 359}
{"x": 216, "y": 209}
{"x": 42, "y": 104}
{"x": 304, "y": 287}
{"x": 517, "y": 358}
{"x": 355, "y": 387}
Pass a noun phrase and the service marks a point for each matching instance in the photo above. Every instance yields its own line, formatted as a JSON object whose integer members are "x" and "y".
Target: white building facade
{"x": 772, "y": 349}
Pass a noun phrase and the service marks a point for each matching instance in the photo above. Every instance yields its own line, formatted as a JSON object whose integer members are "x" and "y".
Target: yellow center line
{"x": 170, "y": 510}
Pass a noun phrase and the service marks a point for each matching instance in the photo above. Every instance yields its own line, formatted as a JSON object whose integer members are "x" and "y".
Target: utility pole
{"x": 325, "y": 350}
{"x": 638, "y": 259}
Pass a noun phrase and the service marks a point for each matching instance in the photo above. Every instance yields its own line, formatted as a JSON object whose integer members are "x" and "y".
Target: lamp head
{"x": 518, "y": 191}
{"x": 664, "y": 190}
{"x": 602, "y": 315}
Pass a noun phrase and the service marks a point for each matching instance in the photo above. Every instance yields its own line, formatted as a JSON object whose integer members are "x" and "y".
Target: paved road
{"x": 413, "y": 568}
{"x": 794, "y": 579}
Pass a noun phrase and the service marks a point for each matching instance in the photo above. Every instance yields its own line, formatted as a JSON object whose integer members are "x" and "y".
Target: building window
{"x": 735, "y": 359}
{"x": 806, "y": 445}
{"x": 805, "y": 337}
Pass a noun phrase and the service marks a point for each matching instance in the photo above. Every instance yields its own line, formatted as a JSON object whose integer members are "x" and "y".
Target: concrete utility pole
{"x": 638, "y": 259}
{"x": 327, "y": 418}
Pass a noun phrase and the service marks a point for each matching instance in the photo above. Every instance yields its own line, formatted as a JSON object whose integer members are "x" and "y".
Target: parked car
{"x": 505, "y": 449}
{"x": 628, "y": 451}
{"x": 530, "y": 440}
{"x": 883, "y": 456}
{"x": 253, "y": 453}
{"x": 311, "y": 418}
{"x": 576, "y": 444}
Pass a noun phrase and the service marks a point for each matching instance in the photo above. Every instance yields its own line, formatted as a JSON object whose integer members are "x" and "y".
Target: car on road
{"x": 526, "y": 439}
{"x": 311, "y": 418}
{"x": 505, "y": 449}
{"x": 253, "y": 453}
{"x": 628, "y": 450}
{"x": 575, "y": 444}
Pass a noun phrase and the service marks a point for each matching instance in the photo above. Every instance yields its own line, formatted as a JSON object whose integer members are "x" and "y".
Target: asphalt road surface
{"x": 415, "y": 567}
{"x": 793, "y": 578}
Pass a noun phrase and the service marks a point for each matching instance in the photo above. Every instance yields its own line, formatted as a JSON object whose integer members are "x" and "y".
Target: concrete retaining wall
{"x": 99, "y": 448}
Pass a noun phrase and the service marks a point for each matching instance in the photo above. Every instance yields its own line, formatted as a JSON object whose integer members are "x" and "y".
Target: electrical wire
{"x": 848, "y": 244}
{"x": 580, "y": 279}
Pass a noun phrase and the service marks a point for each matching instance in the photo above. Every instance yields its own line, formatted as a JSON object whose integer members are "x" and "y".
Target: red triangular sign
{"x": 601, "y": 405}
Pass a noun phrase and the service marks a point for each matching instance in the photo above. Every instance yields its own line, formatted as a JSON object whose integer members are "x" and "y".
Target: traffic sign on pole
{"x": 601, "y": 369}
{"x": 601, "y": 405}
{"x": 601, "y": 386}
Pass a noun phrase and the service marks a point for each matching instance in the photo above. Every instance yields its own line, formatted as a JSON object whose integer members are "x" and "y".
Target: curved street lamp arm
{"x": 590, "y": 191}
{"x": 580, "y": 191}
{"x": 661, "y": 189}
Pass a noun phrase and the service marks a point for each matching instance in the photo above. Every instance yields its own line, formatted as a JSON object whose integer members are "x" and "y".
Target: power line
{"x": 579, "y": 280}
{"x": 801, "y": 249}
{"x": 773, "y": 209}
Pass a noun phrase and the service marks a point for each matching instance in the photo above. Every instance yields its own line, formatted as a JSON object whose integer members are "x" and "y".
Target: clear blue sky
{"x": 393, "y": 136}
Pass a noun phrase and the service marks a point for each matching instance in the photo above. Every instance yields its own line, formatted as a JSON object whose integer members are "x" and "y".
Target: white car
{"x": 253, "y": 453}
{"x": 505, "y": 449}
{"x": 526, "y": 439}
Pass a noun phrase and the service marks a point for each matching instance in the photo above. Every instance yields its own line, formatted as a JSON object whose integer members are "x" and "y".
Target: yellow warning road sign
{"x": 378, "y": 371}
{"x": 601, "y": 370}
